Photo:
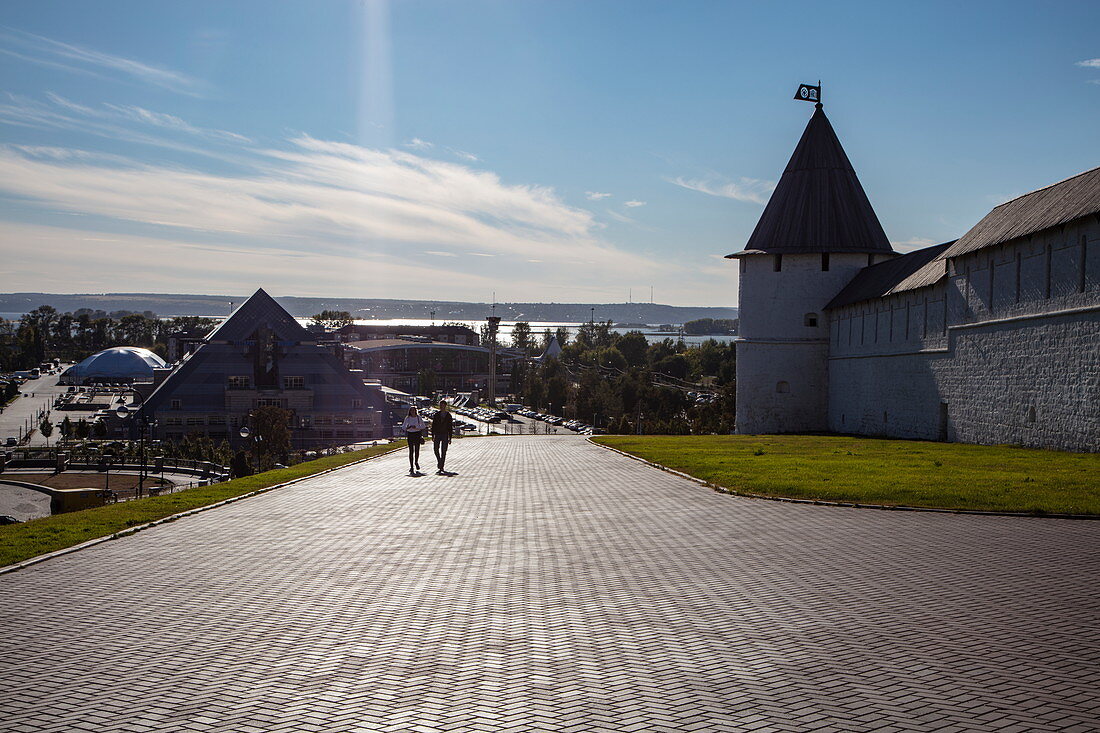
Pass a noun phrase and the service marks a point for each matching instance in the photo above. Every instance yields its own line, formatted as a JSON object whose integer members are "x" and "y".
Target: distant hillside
{"x": 213, "y": 305}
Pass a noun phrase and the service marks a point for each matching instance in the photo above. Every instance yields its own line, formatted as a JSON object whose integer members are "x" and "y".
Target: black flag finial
{"x": 809, "y": 93}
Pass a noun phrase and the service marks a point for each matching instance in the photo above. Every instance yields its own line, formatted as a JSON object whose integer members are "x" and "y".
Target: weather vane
{"x": 809, "y": 93}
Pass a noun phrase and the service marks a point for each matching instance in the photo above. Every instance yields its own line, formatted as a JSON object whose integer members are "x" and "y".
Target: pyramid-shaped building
{"x": 262, "y": 357}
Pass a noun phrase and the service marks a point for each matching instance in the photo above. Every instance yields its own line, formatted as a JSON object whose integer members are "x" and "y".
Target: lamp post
{"x": 246, "y": 432}
{"x": 143, "y": 422}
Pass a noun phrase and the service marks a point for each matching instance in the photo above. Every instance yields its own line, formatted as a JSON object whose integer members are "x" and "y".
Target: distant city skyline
{"x": 547, "y": 151}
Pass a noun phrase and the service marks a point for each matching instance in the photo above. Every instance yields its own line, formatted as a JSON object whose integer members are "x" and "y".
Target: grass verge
{"x": 20, "y": 542}
{"x": 881, "y": 471}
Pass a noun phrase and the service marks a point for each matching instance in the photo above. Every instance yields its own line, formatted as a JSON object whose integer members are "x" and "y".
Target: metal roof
{"x": 389, "y": 344}
{"x": 1057, "y": 204}
{"x": 908, "y": 272}
{"x": 818, "y": 204}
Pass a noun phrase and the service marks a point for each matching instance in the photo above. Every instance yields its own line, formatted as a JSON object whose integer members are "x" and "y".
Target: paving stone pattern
{"x": 555, "y": 586}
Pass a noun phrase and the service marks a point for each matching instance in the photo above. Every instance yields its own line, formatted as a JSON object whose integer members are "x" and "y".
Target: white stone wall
{"x": 781, "y": 358}
{"x": 1016, "y": 361}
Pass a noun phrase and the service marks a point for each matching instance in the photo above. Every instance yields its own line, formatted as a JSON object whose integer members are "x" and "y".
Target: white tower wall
{"x": 782, "y": 354}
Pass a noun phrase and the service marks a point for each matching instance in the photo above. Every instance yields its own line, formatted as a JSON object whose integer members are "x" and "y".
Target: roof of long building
{"x": 1051, "y": 206}
{"x": 907, "y": 272}
{"x": 818, "y": 204}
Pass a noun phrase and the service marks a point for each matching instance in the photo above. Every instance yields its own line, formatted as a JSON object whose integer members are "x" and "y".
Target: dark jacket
{"x": 442, "y": 425}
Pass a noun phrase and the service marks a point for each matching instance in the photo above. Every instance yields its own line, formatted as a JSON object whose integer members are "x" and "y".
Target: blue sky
{"x": 555, "y": 151}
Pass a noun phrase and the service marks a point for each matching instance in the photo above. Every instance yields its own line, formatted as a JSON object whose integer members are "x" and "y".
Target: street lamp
{"x": 143, "y": 422}
{"x": 246, "y": 432}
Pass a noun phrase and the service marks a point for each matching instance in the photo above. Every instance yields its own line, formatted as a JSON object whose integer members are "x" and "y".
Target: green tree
{"x": 100, "y": 429}
{"x": 271, "y": 434}
{"x": 522, "y": 338}
{"x": 83, "y": 430}
{"x": 331, "y": 320}
{"x": 633, "y": 346}
{"x": 425, "y": 379}
{"x": 66, "y": 427}
{"x": 46, "y": 428}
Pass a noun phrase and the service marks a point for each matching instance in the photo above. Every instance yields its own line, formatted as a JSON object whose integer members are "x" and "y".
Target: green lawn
{"x": 879, "y": 471}
{"x": 22, "y": 541}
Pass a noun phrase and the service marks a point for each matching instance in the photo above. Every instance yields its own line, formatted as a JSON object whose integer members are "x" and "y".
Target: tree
{"x": 522, "y": 338}
{"x": 240, "y": 466}
{"x": 271, "y": 433}
{"x": 46, "y": 428}
{"x": 426, "y": 381}
{"x": 330, "y": 320}
{"x": 633, "y": 346}
{"x": 100, "y": 429}
{"x": 562, "y": 335}
{"x": 83, "y": 430}
{"x": 66, "y": 427}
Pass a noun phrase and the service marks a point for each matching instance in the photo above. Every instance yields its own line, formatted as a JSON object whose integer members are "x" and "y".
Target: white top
{"x": 414, "y": 423}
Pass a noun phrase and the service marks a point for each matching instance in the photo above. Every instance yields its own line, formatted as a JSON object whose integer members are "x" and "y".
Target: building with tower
{"x": 993, "y": 338}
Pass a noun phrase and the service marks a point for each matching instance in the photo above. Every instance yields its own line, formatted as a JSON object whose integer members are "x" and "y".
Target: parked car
{"x": 11, "y": 440}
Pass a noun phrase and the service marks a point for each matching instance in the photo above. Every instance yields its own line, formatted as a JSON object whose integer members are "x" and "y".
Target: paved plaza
{"x": 555, "y": 586}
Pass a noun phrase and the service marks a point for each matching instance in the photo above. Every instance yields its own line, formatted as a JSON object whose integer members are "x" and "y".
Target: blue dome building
{"x": 120, "y": 364}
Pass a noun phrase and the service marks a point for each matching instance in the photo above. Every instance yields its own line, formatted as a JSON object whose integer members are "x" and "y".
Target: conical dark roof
{"x": 260, "y": 310}
{"x": 818, "y": 205}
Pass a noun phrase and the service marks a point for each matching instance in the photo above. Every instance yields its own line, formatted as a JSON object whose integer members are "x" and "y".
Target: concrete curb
{"x": 842, "y": 504}
{"x": 164, "y": 520}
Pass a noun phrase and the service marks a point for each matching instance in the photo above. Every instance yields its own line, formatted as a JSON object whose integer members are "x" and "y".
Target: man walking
{"x": 442, "y": 429}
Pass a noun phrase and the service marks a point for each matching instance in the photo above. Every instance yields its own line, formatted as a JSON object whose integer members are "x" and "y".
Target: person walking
{"x": 442, "y": 430}
{"x": 414, "y": 426}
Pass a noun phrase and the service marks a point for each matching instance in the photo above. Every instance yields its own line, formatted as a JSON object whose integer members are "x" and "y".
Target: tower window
{"x": 810, "y": 319}
{"x": 782, "y": 387}
{"x": 824, "y": 261}
{"x": 777, "y": 263}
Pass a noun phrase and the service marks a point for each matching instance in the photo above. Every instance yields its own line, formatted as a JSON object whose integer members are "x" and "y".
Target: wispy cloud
{"x": 752, "y": 190}
{"x": 117, "y": 122}
{"x": 595, "y": 195}
{"x": 622, "y": 218}
{"x": 634, "y": 204}
{"x": 81, "y": 59}
{"x": 418, "y": 144}
{"x": 1090, "y": 63}
{"x": 463, "y": 155}
{"x": 913, "y": 243}
{"x": 339, "y": 197}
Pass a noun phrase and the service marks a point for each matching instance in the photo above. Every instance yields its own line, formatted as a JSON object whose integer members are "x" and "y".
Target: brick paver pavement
{"x": 556, "y": 586}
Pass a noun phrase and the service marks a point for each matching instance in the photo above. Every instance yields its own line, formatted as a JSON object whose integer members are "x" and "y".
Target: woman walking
{"x": 414, "y": 426}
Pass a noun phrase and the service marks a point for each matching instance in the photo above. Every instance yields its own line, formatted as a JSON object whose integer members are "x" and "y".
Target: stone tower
{"x": 816, "y": 232}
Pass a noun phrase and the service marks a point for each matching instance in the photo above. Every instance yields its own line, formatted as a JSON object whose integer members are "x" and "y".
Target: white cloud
{"x": 620, "y": 217}
{"x": 634, "y": 204}
{"x": 463, "y": 155}
{"x": 596, "y": 195}
{"x": 418, "y": 144}
{"x": 1090, "y": 63}
{"x": 117, "y": 122}
{"x": 913, "y": 243}
{"x": 79, "y": 59}
{"x": 752, "y": 190}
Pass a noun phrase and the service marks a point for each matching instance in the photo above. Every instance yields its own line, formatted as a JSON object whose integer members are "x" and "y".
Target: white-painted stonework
{"x": 1003, "y": 348}
{"x": 992, "y": 338}
{"x": 1010, "y": 363}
